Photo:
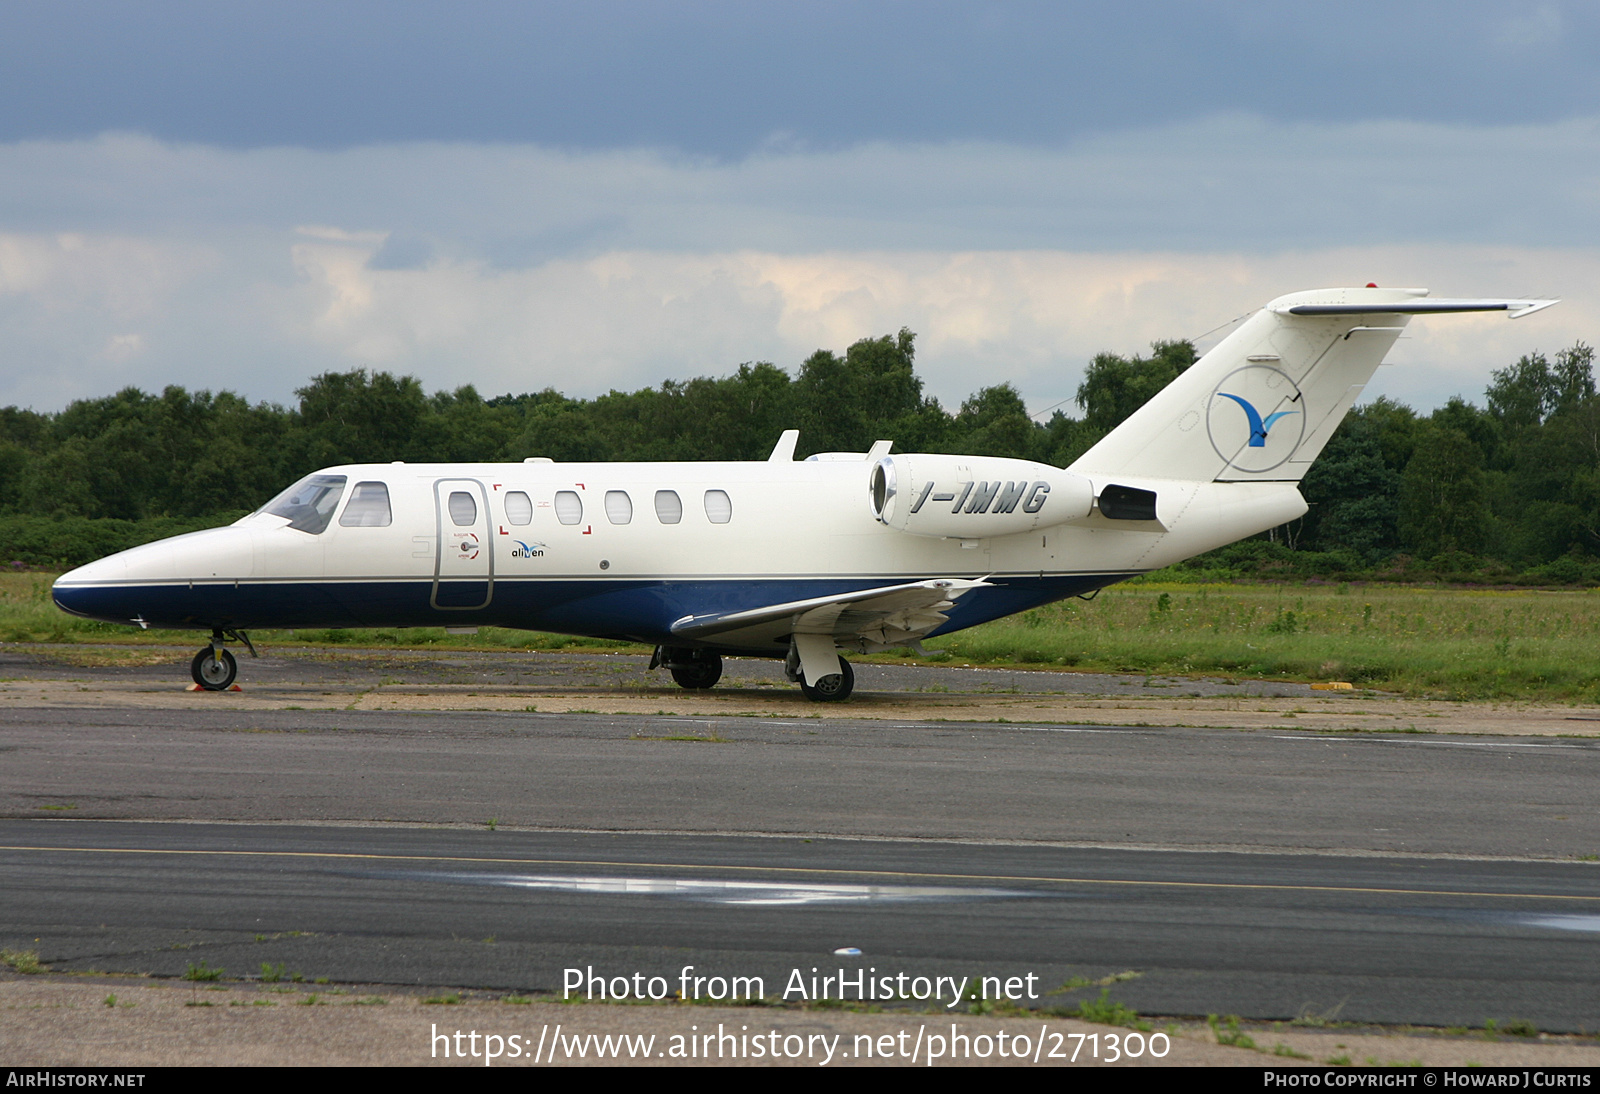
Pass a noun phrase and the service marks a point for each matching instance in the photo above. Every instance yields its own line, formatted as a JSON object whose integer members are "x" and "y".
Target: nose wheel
{"x": 214, "y": 669}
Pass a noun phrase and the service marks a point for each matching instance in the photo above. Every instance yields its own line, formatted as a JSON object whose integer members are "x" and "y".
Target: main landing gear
{"x": 698, "y": 669}
{"x": 691, "y": 668}
{"x": 214, "y": 668}
{"x": 831, "y": 689}
{"x": 834, "y": 687}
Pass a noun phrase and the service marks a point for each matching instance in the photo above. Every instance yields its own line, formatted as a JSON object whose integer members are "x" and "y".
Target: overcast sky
{"x": 597, "y": 195}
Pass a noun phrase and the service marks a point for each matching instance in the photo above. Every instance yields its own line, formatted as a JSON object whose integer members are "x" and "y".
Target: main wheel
{"x": 209, "y": 673}
{"x": 699, "y": 670}
{"x": 831, "y": 689}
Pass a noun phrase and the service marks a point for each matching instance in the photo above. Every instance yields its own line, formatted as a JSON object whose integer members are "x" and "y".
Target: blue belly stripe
{"x": 618, "y": 607}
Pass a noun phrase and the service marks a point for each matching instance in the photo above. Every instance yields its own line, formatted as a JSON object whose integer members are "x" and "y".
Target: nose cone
{"x": 142, "y": 585}
{"x": 78, "y": 592}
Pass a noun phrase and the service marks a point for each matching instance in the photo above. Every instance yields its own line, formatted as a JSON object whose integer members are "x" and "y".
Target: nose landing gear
{"x": 214, "y": 668}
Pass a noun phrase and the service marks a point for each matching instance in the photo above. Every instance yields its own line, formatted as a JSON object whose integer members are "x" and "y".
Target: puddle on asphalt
{"x": 748, "y": 893}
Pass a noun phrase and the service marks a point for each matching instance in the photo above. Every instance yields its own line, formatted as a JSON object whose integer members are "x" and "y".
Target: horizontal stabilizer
{"x": 1514, "y": 309}
{"x": 870, "y": 619}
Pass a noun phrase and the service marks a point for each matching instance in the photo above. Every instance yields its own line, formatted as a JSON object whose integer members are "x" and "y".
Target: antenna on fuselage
{"x": 783, "y": 451}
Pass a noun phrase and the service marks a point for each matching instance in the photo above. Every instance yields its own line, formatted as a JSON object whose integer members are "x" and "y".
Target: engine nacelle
{"x": 973, "y": 497}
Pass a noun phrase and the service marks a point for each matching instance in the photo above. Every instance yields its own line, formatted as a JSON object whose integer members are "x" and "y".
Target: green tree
{"x": 994, "y": 422}
{"x": 1442, "y": 505}
{"x": 1353, "y": 494}
{"x": 1533, "y": 390}
{"x": 1114, "y": 387}
{"x": 362, "y": 417}
{"x": 844, "y": 404}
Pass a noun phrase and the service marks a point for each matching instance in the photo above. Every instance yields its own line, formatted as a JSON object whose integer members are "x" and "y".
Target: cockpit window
{"x": 368, "y": 508}
{"x": 309, "y": 503}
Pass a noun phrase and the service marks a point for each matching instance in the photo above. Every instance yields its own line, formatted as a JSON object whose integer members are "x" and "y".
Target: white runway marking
{"x": 1435, "y": 744}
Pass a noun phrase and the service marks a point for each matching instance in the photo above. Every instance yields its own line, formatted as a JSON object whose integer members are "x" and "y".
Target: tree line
{"x": 1509, "y": 488}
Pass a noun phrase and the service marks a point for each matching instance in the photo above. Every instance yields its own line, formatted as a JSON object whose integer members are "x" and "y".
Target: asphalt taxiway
{"x": 1273, "y": 873}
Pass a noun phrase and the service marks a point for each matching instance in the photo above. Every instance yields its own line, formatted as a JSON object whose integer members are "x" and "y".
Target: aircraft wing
{"x": 868, "y": 620}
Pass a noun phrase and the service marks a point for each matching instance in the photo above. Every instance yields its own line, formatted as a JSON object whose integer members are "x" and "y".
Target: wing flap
{"x": 870, "y": 619}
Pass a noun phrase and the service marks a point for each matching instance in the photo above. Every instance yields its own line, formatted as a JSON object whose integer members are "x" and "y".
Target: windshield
{"x": 309, "y": 503}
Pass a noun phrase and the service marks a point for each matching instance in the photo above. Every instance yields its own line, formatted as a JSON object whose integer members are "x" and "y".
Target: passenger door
{"x": 463, "y": 573}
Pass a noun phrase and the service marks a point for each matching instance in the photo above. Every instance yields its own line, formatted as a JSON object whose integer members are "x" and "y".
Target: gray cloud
{"x": 1223, "y": 183}
{"x": 724, "y": 77}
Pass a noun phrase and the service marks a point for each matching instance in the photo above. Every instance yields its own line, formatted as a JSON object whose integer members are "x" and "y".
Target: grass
{"x": 1105, "y": 1011}
{"x": 1515, "y": 1027}
{"x": 1417, "y": 640}
{"x": 1451, "y": 643}
{"x": 1227, "y": 1032}
{"x": 23, "y": 961}
{"x": 202, "y": 972}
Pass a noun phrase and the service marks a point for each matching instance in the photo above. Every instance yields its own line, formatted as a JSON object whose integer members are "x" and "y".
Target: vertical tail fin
{"x": 1261, "y": 405}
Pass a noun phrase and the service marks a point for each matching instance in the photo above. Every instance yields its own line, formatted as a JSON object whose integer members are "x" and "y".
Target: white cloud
{"x": 124, "y": 260}
{"x": 628, "y": 319}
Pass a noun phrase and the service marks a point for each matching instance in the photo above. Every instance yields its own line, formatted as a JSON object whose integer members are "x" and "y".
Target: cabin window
{"x": 309, "y": 503}
{"x": 669, "y": 507}
{"x": 619, "y": 507}
{"x": 463, "y": 509}
{"x": 368, "y": 508}
{"x": 569, "y": 507}
{"x": 719, "y": 507}
{"x": 519, "y": 509}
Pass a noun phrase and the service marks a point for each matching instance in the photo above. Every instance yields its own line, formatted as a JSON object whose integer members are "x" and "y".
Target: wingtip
{"x": 1528, "y": 307}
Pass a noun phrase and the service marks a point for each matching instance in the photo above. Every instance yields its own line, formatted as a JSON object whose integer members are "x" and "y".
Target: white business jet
{"x": 844, "y": 551}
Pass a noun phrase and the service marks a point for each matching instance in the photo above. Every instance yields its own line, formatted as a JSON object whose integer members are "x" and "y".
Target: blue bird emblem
{"x": 1258, "y": 428}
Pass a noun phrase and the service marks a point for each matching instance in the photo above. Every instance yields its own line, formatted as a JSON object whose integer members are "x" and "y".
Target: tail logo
{"x": 1258, "y": 427}
{"x": 1256, "y": 418}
